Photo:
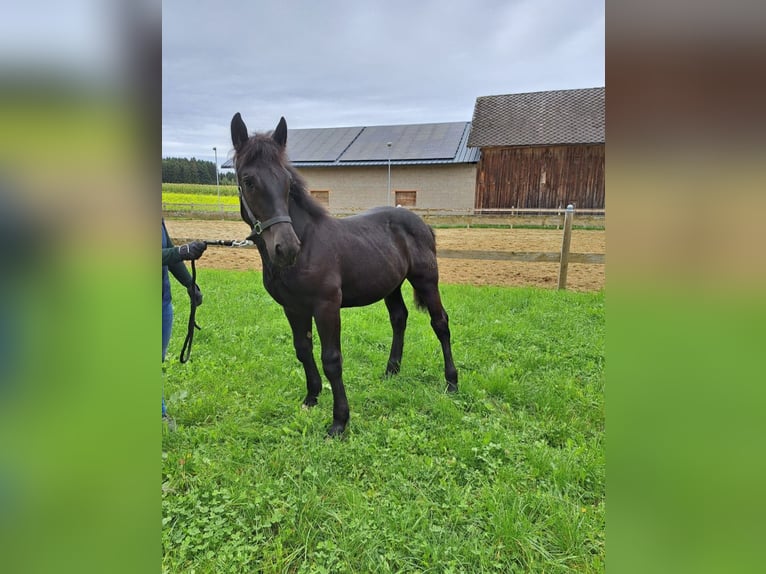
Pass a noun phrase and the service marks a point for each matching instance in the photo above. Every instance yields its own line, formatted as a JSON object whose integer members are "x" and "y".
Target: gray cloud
{"x": 338, "y": 63}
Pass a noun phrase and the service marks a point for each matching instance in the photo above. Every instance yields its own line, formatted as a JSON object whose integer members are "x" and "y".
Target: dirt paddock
{"x": 580, "y": 276}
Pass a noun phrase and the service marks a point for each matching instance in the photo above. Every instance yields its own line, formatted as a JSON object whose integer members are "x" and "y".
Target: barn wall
{"x": 448, "y": 187}
{"x": 541, "y": 177}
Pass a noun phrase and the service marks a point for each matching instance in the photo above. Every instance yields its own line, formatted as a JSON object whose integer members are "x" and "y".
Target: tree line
{"x": 184, "y": 170}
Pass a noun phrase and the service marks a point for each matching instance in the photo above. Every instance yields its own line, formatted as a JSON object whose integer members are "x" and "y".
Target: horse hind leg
{"x": 427, "y": 297}
{"x": 397, "y": 312}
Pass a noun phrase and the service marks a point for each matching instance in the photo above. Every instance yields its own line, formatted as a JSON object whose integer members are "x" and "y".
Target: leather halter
{"x": 260, "y": 226}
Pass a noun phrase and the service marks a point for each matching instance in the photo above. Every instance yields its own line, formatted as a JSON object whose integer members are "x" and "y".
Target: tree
{"x": 183, "y": 170}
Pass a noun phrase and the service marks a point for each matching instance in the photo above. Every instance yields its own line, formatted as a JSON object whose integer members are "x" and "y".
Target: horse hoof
{"x": 308, "y": 403}
{"x": 451, "y": 387}
{"x": 392, "y": 370}
{"x": 335, "y": 431}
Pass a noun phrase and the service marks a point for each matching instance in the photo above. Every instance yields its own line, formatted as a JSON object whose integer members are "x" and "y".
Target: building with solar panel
{"x": 537, "y": 150}
{"x": 427, "y": 167}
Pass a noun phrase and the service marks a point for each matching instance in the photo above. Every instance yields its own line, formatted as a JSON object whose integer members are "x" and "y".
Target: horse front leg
{"x": 300, "y": 323}
{"x": 327, "y": 318}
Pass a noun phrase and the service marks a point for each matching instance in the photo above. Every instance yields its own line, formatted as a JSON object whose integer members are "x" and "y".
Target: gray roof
{"x": 539, "y": 118}
{"x": 411, "y": 144}
{"x": 319, "y": 144}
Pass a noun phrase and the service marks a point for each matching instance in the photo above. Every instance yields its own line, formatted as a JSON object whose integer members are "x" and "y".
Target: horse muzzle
{"x": 282, "y": 244}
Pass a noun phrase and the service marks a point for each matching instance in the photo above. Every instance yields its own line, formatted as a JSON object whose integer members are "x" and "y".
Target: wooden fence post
{"x": 568, "y": 216}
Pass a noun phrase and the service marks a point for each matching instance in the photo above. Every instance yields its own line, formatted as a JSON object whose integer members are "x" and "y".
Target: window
{"x": 406, "y": 198}
{"x": 322, "y": 196}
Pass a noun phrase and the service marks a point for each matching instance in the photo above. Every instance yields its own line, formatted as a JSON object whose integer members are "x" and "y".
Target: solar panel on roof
{"x": 319, "y": 144}
{"x": 409, "y": 142}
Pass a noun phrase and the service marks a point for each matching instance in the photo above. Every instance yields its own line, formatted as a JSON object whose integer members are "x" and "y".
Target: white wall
{"x": 449, "y": 187}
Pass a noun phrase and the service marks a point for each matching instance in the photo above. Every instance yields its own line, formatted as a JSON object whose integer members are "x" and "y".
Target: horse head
{"x": 264, "y": 189}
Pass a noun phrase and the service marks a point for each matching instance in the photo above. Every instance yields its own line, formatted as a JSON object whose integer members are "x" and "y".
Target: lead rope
{"x": 186, "y": 349}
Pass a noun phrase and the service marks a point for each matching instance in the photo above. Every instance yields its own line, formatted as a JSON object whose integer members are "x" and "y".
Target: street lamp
{"x": 217, "y": 187}
{"x": 388, "y": 145}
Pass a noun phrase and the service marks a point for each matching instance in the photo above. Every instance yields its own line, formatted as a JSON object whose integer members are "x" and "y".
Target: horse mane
{"x": 262, "y": 149}
{"x": 300, "y": 195}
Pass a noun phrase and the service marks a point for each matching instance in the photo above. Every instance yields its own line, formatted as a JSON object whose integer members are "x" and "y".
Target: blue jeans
{"x": 167, "y": 329}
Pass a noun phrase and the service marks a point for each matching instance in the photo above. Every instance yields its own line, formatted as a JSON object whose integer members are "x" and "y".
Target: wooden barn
{"x": 425, "y": 167}
{"x": 540, "y": 150}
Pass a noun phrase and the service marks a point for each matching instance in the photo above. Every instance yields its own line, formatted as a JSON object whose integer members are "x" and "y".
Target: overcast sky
{"x": 348, "y": 63}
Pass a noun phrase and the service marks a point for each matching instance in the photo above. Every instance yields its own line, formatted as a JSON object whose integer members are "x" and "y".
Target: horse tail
{"x": 417, "y": 296}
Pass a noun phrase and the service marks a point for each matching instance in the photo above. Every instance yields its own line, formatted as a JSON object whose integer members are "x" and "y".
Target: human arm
{"x": 187, "y": 252}
{"x": 173, "y": 257}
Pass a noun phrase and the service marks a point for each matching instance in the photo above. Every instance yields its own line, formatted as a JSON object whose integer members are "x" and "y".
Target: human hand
{"x": 195, "y": 294}
{"x": 192, "y": 251}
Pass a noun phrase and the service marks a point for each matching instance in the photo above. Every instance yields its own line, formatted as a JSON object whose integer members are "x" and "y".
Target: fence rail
{"x": 211, "y": 207}
{"x": 525, "y": 256}
{"x": 533, "y": 210}
{"x": 563, "y": 257}
{"x": 215, "y": 207}
{"x": 468, "y": 217}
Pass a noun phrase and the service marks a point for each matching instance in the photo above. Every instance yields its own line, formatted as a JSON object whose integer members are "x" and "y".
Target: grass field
{"x": 199, "y": 189}
{"x": 508, "y": 475}
{"x": 199, "y": 199}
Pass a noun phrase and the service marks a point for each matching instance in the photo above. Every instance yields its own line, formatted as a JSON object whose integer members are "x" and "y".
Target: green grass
{"x": 199, "y": 189}
{"x": 507, "y": 475}
{"x": 199, "y": 199}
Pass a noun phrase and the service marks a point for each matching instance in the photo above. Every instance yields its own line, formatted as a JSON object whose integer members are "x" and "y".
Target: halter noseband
{"x": 260, "y": 227}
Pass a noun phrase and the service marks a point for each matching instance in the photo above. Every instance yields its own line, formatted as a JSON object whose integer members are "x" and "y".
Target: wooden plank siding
{"x": 541, "y": 177}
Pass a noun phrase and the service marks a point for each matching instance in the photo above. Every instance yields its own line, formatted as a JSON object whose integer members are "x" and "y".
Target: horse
{"x": 314, "y": 264}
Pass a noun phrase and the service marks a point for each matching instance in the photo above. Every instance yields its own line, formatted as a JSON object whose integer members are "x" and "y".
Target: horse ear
{"x": 238, "y": 132}
{"x": 280, "y": 134}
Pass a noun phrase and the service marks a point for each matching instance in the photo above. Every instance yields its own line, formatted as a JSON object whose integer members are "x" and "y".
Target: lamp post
{"x": 217, "y": 186}
{"x": 388, "y": 145}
